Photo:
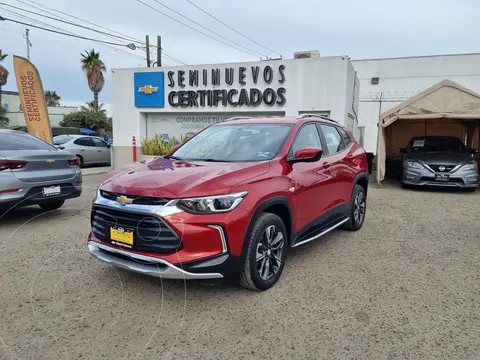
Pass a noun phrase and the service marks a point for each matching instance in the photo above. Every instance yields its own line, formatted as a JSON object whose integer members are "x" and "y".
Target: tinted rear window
{"x": 61, "y": 139}
{"x": 10, "y": 140}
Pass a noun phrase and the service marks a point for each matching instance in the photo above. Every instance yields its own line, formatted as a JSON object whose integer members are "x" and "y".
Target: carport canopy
{"x": 446, "y": 100}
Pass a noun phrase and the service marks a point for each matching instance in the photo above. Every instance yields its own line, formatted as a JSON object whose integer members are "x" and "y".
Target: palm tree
{"x": 52, "y": 98}
{"x": 94, "y": 68}
{"x": 3, "y": 74}
{"x": 93, "y": 107}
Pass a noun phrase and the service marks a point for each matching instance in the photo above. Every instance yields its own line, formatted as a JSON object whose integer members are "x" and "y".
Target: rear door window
{"x": 61, "y": 139}
{"x": 13, "y": 140}
{"x": 85, "y": 141}
{"x": 334, "y": 141}
{"x": 347, "y": 140}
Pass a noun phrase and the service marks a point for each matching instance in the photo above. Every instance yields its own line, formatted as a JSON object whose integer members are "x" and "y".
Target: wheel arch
{"x": 362, "y": 179}
{"x": 278, "y": 205}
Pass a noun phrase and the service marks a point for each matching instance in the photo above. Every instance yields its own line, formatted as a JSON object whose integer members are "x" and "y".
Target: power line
{"x": 68, "y": 22}
{"x": 191, "y": 27}
{"x": 43, "y": 7}
{"x": 66, "y": 34}
{"x": 206, "y": 28}
{"x": 231, "y": 28}
{"x": 60, "y": 29}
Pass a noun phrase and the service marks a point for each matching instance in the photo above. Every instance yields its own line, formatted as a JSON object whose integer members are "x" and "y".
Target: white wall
{"x": 55, "y": 113}
{"x": 402, "y": 78}
{"x": 311, "y": 85}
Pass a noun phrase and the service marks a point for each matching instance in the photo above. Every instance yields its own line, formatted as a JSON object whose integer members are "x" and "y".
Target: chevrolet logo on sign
{"x": 124, "y": 200}
{"x": 148, "y": 89}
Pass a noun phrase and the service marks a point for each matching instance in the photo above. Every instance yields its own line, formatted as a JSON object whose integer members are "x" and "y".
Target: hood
{"x": 169, "y": 178}
{"x": 439, "y": 158}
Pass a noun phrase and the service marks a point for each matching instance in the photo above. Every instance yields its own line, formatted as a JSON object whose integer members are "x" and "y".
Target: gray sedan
{"x": 91, "y": 150}
{"x": 440, "y": 161}
{"x": 33, "y": 172}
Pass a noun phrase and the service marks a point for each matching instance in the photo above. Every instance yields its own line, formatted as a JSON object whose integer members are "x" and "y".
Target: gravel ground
{"x": 407, "y": 286}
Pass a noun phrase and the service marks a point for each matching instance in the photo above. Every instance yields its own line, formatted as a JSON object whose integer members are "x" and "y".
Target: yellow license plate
{"x": 123, "y": 236}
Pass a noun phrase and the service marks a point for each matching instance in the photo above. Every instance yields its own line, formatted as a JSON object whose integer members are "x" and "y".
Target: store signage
{"x": 149, "y": 89}
{"x": 250, "y": 96}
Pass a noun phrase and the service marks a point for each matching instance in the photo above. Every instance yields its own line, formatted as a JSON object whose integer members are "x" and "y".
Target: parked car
{"x": 441, "y": 161}
{"x": 89, "y": 149}
{"x": 231, "y": 201}
{"x": 33, "y": 172}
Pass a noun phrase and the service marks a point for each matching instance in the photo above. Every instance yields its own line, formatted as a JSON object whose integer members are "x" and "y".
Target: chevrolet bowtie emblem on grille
{"x": 148, "y": 89}
{"x": 50, "y": 161}
{"x": 123, "y": 200}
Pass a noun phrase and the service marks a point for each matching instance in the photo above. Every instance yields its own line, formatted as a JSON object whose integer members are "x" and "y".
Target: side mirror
{"x": 109, "y": 145}
{"x": 403, "y": 150}
{"x": 472, "y": 151}
{"x": 306, "y": 154}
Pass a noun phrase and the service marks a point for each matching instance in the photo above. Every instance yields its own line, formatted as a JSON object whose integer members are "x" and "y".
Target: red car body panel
{"x": 310, "y": 189}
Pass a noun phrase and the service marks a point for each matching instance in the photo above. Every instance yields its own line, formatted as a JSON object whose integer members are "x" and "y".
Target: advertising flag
{"x": 32, "y": 98}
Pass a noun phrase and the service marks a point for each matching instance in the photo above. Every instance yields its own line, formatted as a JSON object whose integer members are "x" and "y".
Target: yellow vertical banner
{"x": 32, "y": 98}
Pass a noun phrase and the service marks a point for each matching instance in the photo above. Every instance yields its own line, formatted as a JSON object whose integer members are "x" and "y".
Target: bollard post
{"x": 134, "y": 148}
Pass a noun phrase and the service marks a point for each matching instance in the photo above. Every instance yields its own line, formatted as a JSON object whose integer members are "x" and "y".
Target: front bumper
{"x": 458, "y": 178}
{"x": 146, "y": 265}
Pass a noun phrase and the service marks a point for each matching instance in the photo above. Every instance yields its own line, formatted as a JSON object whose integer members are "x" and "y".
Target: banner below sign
{"x": 32, "y": 98}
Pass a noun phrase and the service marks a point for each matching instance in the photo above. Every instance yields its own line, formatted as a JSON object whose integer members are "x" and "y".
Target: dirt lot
{"x": 407, "y": 286}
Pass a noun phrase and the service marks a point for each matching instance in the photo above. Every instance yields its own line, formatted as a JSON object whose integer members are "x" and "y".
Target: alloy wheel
{"x": 269, "y": 252}
{"x": 359, "y": 208}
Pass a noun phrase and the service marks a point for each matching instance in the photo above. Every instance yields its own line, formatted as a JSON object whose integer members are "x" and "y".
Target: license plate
{"x": 442, "y": 177}
{"x": 121, "y": 235}
{"x": 51, "y": 190}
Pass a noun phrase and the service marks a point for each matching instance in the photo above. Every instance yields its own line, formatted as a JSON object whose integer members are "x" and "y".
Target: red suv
{"x": 232, "y": 200}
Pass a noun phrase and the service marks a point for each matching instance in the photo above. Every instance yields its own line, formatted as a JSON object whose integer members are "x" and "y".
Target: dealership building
{"x": 178, "y": 101}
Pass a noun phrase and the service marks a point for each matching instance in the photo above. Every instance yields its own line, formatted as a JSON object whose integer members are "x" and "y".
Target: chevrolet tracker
{"x": 232, "y": 200}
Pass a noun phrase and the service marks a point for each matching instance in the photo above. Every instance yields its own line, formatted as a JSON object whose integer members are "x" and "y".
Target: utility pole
{"x": 147, "y": 41}
{"x": 29, "y": 44}
{"x": 159, "y": 50}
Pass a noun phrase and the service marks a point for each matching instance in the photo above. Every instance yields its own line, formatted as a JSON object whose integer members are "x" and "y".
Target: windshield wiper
{"x": 173, "y": 157}
{"x": 210, "y": 160}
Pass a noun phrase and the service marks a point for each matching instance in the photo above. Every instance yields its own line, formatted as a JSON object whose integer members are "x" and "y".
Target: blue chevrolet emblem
{"x": 149, "y": 89}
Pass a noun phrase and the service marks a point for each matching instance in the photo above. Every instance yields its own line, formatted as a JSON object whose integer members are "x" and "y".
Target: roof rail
{"x": 303, "y": 116}
{"x": 238, "y": 118}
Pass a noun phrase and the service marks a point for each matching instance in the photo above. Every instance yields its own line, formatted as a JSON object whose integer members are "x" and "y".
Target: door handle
{"x": 99, "y": 150}
{"x": 82, "y": 150}
{"x": 325, "y": 165}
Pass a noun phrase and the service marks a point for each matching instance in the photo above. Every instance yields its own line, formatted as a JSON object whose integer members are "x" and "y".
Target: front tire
{"x": 52, "y": 205}
{"x": 358, "y": 207}
{"x": 266, "y": 253}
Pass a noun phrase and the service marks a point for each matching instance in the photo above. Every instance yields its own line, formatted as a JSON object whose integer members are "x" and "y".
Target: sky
{"x": 360, "y": 29}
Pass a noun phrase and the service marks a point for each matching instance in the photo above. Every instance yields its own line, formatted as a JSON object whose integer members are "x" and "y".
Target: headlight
{"x": 412, "y": 164}
{"x": 472, "y": 165}
{"x": 211, "y": 204}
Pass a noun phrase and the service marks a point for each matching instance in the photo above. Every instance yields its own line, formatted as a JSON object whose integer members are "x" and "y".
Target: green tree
{"x": 94, "y": 68}
{"x": 52, "y": 98}
{"x": 90, "y": 116}
{"x": 3, "y": 74}
{"x": 4, "y": 120}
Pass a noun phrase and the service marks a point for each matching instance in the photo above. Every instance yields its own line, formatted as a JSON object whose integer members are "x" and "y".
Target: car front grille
{"x": 445, "y": 168}
{"x": 138, "y": 200}
{"x": 150, "y": 232}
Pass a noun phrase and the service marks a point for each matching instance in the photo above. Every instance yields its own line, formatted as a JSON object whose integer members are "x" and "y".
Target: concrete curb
{"x": 95, "y": 171}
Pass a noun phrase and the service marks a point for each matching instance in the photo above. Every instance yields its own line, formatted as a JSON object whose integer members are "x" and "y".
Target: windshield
{"x": 427, "y": 145}
{"x": 61, "y": 139}
{"x": 235, "y": 143}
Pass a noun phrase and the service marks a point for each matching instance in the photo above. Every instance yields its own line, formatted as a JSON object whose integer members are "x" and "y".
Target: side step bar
{"x": 333, "y": 227}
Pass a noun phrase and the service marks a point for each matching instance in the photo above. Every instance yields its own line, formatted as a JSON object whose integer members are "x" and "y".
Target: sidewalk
{"x": 95, "y": 170}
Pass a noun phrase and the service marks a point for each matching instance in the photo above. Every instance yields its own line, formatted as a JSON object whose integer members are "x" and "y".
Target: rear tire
{"x": 358, "y": 207}
{"x": 52, "y": 205}
{"x": 266, "y": 253}
{"x": 81, "y": 160}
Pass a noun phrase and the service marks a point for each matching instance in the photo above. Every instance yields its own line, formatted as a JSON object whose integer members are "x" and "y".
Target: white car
{"x": 91, "y": 150}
